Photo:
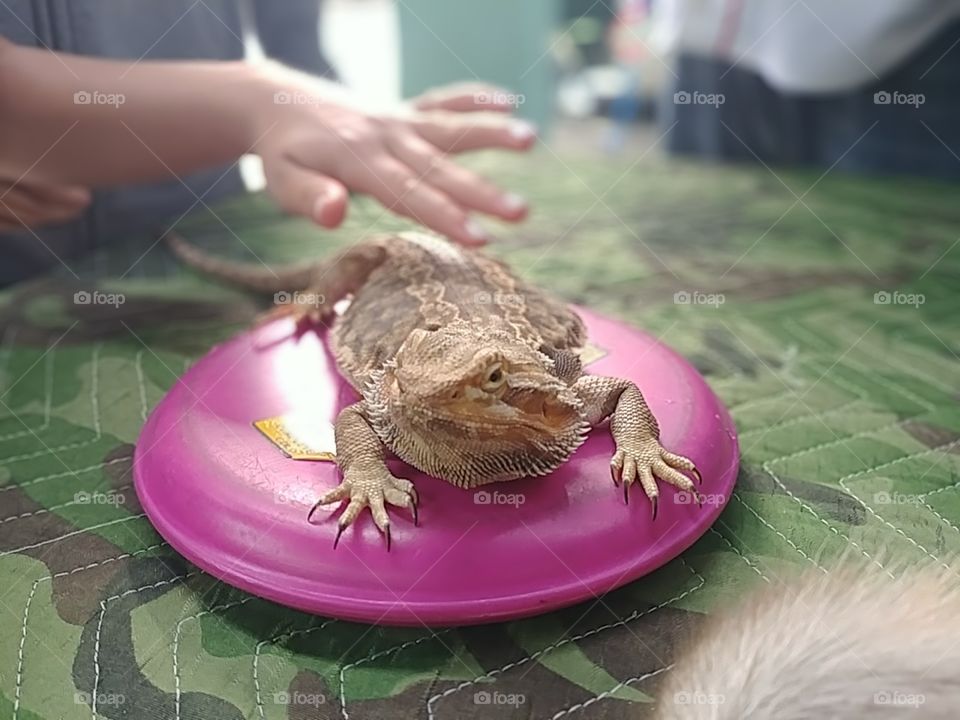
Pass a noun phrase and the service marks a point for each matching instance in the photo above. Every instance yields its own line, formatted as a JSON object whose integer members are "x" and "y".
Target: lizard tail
{"x": 244, "y": 275}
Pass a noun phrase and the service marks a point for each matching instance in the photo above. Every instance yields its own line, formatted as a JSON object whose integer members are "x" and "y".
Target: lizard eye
{"x": 494, "y": 378}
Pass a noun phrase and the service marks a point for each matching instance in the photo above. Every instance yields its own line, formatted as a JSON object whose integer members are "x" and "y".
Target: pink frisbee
{"x": 231, "y": 502}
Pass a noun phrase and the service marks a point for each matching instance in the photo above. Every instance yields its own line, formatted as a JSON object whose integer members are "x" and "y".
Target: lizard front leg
{"x": 639, "y": 455}
{"x": 366, "y": 480}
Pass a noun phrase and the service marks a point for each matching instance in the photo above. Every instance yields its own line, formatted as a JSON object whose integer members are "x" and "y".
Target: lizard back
{"x": 428, "y": 283}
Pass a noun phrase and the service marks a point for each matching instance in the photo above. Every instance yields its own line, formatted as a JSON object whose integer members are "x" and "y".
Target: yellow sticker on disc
{"x": 300, "y": 436}
{"x": 590, "y": 353}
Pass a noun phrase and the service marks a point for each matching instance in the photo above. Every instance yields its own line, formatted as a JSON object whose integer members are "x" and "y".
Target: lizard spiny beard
{"x": 454, "y": 450}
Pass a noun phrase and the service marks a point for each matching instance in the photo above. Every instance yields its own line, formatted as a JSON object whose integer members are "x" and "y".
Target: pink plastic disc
{"x": 232, "y": 503}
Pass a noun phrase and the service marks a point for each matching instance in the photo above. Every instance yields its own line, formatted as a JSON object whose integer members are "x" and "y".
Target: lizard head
{"x": 475, "y": 404}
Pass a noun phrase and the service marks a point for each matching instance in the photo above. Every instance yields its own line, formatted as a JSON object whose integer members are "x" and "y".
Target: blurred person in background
{"x": 119, "y": 116}
{"x": 629, "y": 51}
{"x": 868, "y": 86}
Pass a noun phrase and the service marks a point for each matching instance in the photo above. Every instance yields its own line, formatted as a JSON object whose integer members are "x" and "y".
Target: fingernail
{"x": 511, "y": 203}
{"x": 475, "y": 231}
{"x": 79, "y": 195}
{"x": 318, "y": 207}
{"x": 523, "y": 131}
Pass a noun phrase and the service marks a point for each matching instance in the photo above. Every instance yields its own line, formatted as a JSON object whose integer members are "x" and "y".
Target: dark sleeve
{"x": 289, "y": 31}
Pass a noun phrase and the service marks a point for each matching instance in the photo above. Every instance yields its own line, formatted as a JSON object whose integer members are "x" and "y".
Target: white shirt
{"x": 803, "y": 46}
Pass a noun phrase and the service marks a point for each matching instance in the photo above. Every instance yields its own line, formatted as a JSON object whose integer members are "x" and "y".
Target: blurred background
{"x": 804, "y": 82}
{"x": 572, "y": 65}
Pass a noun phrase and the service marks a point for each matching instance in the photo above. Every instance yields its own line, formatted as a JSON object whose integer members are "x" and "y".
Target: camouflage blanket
{"x": 822, "y": 310}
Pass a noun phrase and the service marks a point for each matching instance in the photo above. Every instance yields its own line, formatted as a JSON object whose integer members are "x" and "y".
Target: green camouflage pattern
{"x": 845, "y": 400}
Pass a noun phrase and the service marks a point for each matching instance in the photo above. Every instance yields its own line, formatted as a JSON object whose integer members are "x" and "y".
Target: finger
{"x": 72, "y": 196}
{"x": 32, "y": 210}
{"x": 459, "y": 133}
{"x": 57, "y": 216}
{"x": 395, "y": 185}
{"x": 15, "y": 218}
{"x": 468, "y": 97}
{"x": 304, "y": 192}
{"x": 18, "y": 216}
{"x": 464, "y": 187}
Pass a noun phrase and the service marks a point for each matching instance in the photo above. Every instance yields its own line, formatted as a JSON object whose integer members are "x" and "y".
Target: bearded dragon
{"x": 464, "y": 371}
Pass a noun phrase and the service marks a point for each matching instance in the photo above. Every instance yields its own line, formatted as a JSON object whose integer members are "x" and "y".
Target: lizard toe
{"x": 375, "y": 491}
{"x": 646, "y": 462}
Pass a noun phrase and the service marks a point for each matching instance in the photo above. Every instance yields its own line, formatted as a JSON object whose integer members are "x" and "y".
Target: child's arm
{"x": 94, "y": 122}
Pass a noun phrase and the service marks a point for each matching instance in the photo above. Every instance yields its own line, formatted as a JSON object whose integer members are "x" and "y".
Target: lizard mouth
{"x": 544, "y": 410}
{"x": 526, "y": 405}
{"x": 521, "y": 413}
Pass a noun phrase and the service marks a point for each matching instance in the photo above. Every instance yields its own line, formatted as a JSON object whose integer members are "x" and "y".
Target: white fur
{"x": 851, "y": 644}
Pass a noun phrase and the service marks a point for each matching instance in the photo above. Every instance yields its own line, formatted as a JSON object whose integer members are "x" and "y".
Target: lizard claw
{"x": 645, "y": 461}
{"x": 373, "y": 491}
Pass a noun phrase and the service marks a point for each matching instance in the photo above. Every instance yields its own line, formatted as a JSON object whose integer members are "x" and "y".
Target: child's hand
{"x": 161, "y": 120}
{"x": 26, "y": 204}
{"x": 315, "y": 150}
